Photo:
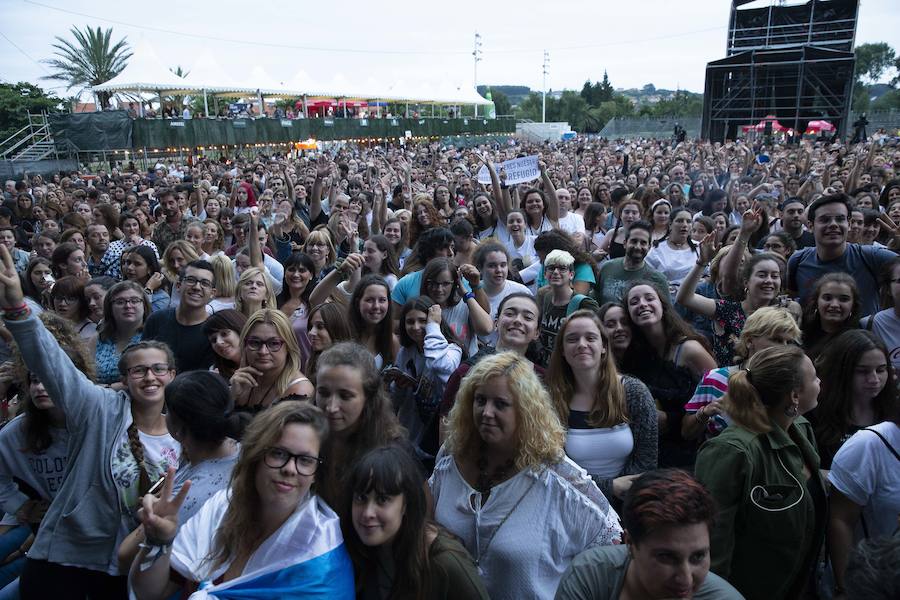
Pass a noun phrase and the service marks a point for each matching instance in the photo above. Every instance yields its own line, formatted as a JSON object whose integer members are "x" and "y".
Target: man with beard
{"x": 182, "y": 327}
{"x": 173, "y": 228}
{"x": 97, "y": 243}
{"x": 617, "y": 273}
{"x": 793, "y": 212}
{"x": 829, "y": 218}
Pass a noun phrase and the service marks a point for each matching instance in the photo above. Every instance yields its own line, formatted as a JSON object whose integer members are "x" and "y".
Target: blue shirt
{"x": 410, "y": 286}
{"x": 863, "y": 263}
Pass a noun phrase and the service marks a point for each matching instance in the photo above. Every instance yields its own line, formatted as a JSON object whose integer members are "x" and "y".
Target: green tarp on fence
{"x": 88, "y": 130}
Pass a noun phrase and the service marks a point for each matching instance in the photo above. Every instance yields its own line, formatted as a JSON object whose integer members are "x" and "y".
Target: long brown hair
{"x": 609, "y": 407}
{"x": 239, "y": 532}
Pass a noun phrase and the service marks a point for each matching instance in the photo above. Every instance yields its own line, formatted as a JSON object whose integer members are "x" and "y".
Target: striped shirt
{"x": 711, "y": 389}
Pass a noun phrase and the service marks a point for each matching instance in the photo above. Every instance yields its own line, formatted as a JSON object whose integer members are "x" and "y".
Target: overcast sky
{"x": 663, "y": 42}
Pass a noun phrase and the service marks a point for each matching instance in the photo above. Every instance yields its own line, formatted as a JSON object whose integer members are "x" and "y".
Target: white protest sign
{"x": 518, "y": 170}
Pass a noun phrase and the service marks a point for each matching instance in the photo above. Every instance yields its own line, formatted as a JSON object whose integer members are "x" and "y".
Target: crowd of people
{"x": 661, "y": 369}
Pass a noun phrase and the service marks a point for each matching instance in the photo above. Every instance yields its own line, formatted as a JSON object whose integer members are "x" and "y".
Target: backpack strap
{"x": 886, "y": 443}
{"x": 574, "y": 303}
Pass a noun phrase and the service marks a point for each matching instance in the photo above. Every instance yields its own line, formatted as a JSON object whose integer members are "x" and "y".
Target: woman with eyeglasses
{"x": 67, "y": 300}
{"x": 118, "y": 446}
{"x": 270, "y": 363}
{"x": 267, "y": 535}
{"x": 125, "y": 310}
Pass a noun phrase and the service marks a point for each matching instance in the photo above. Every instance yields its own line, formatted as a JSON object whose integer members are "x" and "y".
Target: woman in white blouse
{"x": 503, "y": 484}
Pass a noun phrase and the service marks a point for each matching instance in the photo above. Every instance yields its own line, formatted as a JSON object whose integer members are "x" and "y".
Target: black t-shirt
{"x": 191, "y": 347}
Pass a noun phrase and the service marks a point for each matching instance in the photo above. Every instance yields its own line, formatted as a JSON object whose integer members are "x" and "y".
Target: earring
{"x": 793, "y": 410}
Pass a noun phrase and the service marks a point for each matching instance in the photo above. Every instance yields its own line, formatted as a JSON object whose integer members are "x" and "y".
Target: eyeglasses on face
{"x": 65, "y": 299}
{"x": 256, "y": 344}
{"x": 555, "y": 268}
{"x": 190, "y": 281}
{"x": 277, "y": 458}
{"x": 440, "y": 284}
{"x": 120, "y": 302}
{"x": 140, "y": 371}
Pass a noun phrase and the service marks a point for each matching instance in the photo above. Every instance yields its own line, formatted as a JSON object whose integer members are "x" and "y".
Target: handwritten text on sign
{"x": 518, "y": 170}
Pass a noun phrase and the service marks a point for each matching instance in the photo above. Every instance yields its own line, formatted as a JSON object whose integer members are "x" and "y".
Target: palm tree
{"x": 179, "y": 100}
{"x": 91, "y": 60}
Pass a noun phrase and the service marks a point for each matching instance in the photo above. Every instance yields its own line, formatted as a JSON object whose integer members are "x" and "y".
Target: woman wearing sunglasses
{"x": 270, "y": 363}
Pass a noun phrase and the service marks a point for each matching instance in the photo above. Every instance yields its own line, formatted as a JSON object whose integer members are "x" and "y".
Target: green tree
{"x": 888, "y": 101}
{"x": 682, "y": 104}
{"x": 502, "y": 105}
{"x": 178, "y": 100}
{"x": 17, "y": 100}
{"x": 873, "y": 60}
{"x": 90, "y": 60}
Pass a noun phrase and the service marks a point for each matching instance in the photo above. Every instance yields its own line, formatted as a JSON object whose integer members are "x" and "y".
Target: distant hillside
{"x": 649, "y": 94}
{"x": 515, "y": 93}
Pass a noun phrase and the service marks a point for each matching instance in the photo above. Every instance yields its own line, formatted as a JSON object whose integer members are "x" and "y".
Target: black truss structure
{"x": 797, "y": 86}
{"x": 792, "y": 61}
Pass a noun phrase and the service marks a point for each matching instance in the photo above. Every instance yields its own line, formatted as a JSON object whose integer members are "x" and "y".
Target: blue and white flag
{"x": 305, "y": 558}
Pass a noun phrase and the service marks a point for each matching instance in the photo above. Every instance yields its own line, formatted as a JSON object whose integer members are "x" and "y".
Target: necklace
{"x": 260, "y": 405}
{"x": 486, "y": 480}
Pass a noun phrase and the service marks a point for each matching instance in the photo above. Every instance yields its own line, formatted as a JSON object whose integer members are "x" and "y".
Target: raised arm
{"x": 315, "y": 198}
{"x": 550, "y": 195}
{"x": 256, "y": 255}
{"x": 324, "y": 288}
{"x": 687, "y": 291}
{"x": 71, "y": 391}
{"x": 730, "y": 267}
{"x": 479, "y": 305}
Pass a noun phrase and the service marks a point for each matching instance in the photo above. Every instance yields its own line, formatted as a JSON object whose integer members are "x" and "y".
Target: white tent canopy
{"x": 145, "y": 72}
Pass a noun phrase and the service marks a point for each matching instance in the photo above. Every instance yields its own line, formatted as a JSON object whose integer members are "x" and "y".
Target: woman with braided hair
{"x": 118, "y": 445}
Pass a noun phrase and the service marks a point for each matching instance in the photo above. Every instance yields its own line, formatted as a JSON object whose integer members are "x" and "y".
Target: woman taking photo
{"x": 763, "y": 472}
{"x": 223, "y": 330}
{"x": 397, "y": 550}
{"x": 118, "y": 445}
{"x": 140, "y": 265}
{"x": 125, "y": 310}
{"x": 681, "y": 359}
{"x": 503, "y": 484}
{"x": 610, "y": 418}
{"x": 360, "y": 413}
{"x": 258, "y": 536}
{"x": 858, "y": 390}
{"x": 270, "y": 363}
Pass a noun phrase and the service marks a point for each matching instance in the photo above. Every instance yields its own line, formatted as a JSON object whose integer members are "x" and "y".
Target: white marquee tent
{"x": 145, "y": 73}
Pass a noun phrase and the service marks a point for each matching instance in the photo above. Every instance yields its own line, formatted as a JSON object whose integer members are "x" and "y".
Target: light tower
{"x": 476, "y": 54}
{"x": 544, "y": 100}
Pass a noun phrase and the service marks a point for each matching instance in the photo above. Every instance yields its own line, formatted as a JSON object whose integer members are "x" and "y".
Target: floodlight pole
{"x": 476, "y": 53}
{"x": 544, "y": 100}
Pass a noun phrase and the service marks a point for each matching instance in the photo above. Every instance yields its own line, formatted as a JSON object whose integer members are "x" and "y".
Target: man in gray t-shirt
{"x": 616, "y": 274}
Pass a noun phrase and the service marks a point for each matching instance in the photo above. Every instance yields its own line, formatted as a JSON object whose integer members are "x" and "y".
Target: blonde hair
{"x": 768, "y": 322}
{"x": 609, "y": 407}
{"x": 268, "y": 302}
{"x": 186, "y": 248}
{"x": 559, "y": 257}
{"x": 321, "y": 235}
{"x": 768, "y": 379}
{"x": 278, "y": 320}
{"x": 223, "y": 269}
{"x": 540, "y": 437}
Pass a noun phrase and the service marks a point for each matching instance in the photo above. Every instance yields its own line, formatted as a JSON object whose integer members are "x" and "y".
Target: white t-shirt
{"x": 510, "y": 287}
{"x": 867, "y": 472}
{"x": 572, "y": 223}
{"x": 887, "y": 327}
{"x": 674, "y": 264}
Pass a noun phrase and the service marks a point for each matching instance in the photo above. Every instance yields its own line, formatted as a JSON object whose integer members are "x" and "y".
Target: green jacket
{"x": 771, "y": 522}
